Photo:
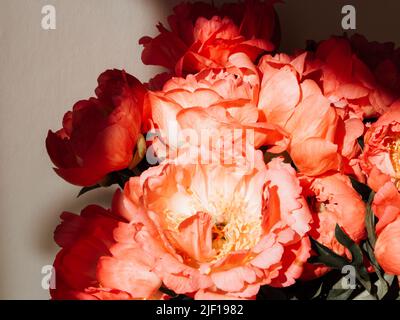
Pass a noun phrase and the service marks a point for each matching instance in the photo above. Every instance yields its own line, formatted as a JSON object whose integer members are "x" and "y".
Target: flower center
{"x": 218, "y": 234}
{"x": 315, "y": 205}
{"x": 234, "y": 228}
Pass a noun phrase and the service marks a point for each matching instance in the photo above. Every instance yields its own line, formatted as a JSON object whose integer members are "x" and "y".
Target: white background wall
{"x": 42, "y": 74}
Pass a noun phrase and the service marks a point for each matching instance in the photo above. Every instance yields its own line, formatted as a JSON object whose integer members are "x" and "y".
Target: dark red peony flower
{"x": 355, "y": 83}
{"x": 99, "y": 135}
{"x": 202, "y": 35}
{"x": 382, "y": 58}
{"x": 84, "y": 239}
{"x": 87, "y": 240}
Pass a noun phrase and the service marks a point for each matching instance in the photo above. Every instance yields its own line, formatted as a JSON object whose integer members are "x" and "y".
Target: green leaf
{"x": 363, "y": 189}
{"x": 139, "y": 153}
{"x": 360, "y": 141}
{"x": 339, "y": 294}
{"x": 371, "y": 255}
{"x": 87, "y": 189}
{"x": 356, "y": 255}
{"x": 168, "y": 292}
{"x": 318, "y": 292}
{"x": 381, "y": 289}
{"x": 370, "y": 221}
{"x": 121, "y": 177}
{"x": 365, "y": 296}
{"x": 384, "y": 283}
{"x": 346, "y": 241}
{"x": 381, "y": 286}
{"x": 326, "y": 256}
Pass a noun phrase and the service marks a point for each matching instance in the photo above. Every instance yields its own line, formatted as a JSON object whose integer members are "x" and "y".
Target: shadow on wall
{"x": 100, "y": 197}
{"x": 60, "y": 68}
{"x": 103, "y": 197}
{"x": 317, "y": 20}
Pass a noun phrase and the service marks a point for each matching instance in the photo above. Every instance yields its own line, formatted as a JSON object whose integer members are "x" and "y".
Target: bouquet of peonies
{"x": 243, "y": 173}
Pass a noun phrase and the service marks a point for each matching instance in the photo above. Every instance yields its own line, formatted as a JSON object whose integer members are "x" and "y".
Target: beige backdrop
{"x": 42, "y": 73}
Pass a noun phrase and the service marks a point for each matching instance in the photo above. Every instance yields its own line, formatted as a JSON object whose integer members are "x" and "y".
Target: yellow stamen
{"x": 234, "y": 229}
{"x": 394, "y": 152}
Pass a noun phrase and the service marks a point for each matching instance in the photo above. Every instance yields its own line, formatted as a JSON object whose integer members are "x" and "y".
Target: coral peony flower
{"x": 99, "y": 135}
{"x": 386, "y": 206}
{"x": 213, "y": 230}
{"x": 380, "y": 159}
{"x": 347, "y": 81}
{"x": 84, "y": 240}
{"x": 297, "y": 104}
{"x": 218, "y": 103}
{"x": 387, "y": 248}
{"x": 333, "y": 201}
{"x": 202, "y": 35}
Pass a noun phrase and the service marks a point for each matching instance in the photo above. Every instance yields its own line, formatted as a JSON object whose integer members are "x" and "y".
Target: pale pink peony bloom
{"x": 214, "y": 231}
{"x": 219, "y": 104}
